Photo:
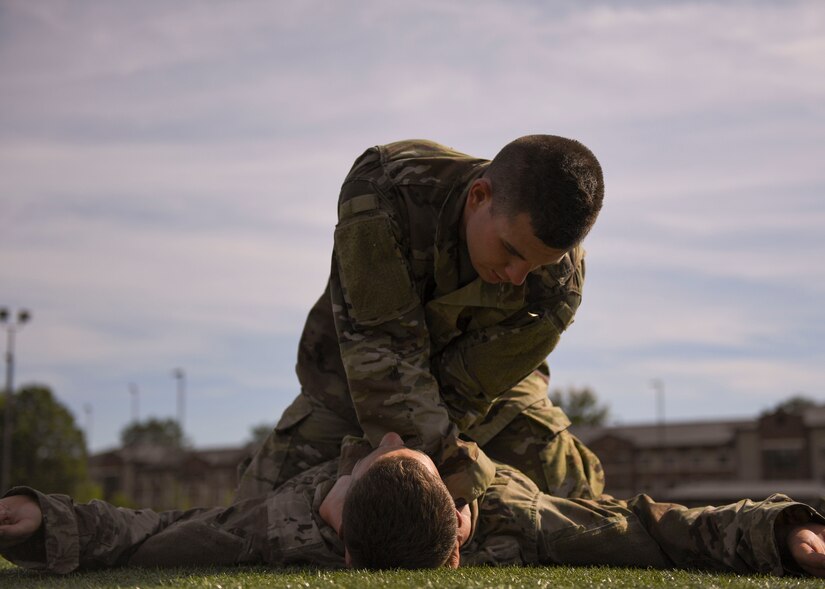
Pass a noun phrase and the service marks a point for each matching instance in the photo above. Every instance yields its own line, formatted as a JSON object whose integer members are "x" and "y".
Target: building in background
{"x": 712, "y": 462}
{"x": 162, "y": 478}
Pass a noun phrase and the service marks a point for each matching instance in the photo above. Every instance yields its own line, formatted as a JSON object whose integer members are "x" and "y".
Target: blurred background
{"x": 169, "y": 175}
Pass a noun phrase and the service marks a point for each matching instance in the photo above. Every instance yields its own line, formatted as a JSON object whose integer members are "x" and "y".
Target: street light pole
{"x": 135, "y": 392}
{"x": 89, "y": 411}
{"x": 659, "y": 386}
{"x": 180, "y": 376}
{"x": 11, "y": 328}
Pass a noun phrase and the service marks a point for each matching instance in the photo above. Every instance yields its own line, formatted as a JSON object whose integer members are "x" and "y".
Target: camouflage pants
{"x": 558, "y": 462}
{"x": 307, "y": 434}
{"x": 530, "y": 436}
{"x": 524, "y": 430}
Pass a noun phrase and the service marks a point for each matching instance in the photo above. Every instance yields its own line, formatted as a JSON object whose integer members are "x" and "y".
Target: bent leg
{"x": 307, "y": 435}
{"x": 536, "y": 441}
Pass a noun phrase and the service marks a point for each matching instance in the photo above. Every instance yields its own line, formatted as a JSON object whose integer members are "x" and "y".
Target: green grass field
{"x": 561, "y": 577}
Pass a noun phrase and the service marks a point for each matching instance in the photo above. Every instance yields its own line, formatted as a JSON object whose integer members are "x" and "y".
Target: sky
{"x": 169, "y": 174}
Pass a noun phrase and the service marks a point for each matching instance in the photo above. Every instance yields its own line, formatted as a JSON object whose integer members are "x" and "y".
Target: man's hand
{"x": 806, "y": 544}
{"x": 332, "y": 507}
{"x": 20, "y": 518}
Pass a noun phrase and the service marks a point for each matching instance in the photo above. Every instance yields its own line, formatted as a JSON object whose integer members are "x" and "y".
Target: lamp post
{"x": 89, "y": 411}
{"x": 659, "y": 386}
{"x": 12, "y": 326}
{"x": 180, "y": 376}
{"x": 135, "y": 392}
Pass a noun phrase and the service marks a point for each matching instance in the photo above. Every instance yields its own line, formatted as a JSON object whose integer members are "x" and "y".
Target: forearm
{"x": 392, "y": 389}
{"x": 91, "y": 535}
{"x": 640, "y": 532}
{"x": 486, "y": 361}
{"x": 746, "y": 536}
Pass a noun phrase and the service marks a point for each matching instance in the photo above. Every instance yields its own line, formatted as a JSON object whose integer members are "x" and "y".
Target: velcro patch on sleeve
{"x": 374, "y": 275}
{"x": 357, "y": 204}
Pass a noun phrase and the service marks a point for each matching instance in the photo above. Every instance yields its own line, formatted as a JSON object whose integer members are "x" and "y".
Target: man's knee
{"x": 538, "y": 443}
{"x": 305, "y": 436}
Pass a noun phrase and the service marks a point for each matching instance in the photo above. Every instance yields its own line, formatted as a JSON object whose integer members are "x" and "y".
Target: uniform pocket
{"x": 299, "y": 410}
{"x": 499, "y": 359}
{"x": 617, "y": 541}
{"x": 191, "y": 543}
{"x": 374, "y": 274}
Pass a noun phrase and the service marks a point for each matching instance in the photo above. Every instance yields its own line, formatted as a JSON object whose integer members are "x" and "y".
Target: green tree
{"x": 581, "y": 405}
{"x": 259, "y": 433}
{"x": 795, "y": 405}
{"x": 153, "y": 432}
{"x": 48, "y": 449}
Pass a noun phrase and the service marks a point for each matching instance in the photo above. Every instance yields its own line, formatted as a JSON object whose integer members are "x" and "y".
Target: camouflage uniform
{"x": 513, "y": 523}
{"x": 407, "y": 338}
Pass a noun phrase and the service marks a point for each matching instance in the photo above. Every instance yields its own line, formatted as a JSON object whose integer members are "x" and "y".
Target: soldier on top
{"x": 452, "y": 279}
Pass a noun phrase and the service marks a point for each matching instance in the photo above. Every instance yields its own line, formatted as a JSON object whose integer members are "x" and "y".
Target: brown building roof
{"x": 672, "y": 434}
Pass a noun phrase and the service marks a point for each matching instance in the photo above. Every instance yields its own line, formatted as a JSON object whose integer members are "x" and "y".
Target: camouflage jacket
{"x": 513, "y": 523}
{"x": 425, "y": 345}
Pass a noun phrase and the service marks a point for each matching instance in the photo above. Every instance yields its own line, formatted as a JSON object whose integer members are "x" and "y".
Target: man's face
{"x": 391, "y": 445}
{"x": 501, "y": 249}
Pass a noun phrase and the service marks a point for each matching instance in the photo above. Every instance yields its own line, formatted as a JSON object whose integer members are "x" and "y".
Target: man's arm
{"x": 392, "y": 389}
{"x": 52, "y": 533}
{"x": 483, "y": 364}
{"x": 383, "y": 336}
{"x": 519, "y": 525}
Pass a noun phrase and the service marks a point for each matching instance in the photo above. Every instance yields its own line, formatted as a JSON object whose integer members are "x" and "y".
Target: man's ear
{"x": 455, "y": 556}
{"x": 481, "y": 191}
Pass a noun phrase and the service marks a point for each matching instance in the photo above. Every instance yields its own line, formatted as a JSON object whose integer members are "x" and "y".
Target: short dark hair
{"x": 557, "y": 181}
{"x": 399, "y": 515}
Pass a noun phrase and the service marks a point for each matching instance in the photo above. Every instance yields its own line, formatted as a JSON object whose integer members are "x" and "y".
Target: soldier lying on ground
{"x": 452, "y": 279}
{"x": 394, "y": 510}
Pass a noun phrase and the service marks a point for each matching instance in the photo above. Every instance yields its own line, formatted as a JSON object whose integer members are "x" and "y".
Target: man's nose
{"x": 517, "y": 272}
{"x": 391, "y": 439}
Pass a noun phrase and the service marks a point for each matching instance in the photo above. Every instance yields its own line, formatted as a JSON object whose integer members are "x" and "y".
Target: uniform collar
{"x": 447, "y": 235}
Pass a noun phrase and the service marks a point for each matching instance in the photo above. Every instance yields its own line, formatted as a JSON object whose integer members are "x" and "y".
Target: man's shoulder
{"x": 505, "y": 531}
{"x": 415, "y": 162}
{"x": 425, "y": 161}
{"x": 510, "y": 491}
{"x": 311, "y": 479}
{"x": 419, "y": 148}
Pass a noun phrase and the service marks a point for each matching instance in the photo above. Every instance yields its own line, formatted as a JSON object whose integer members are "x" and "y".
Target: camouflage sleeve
{"x": 483, "y": 364}
{"x": 82, "y": 536}
{"x": 641, "y": 532}
{"x": 519, "y": 525}
{"x": 741, "y": 537}
{"x": 384, "y": 342}
{"x": 281, "y": 528}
